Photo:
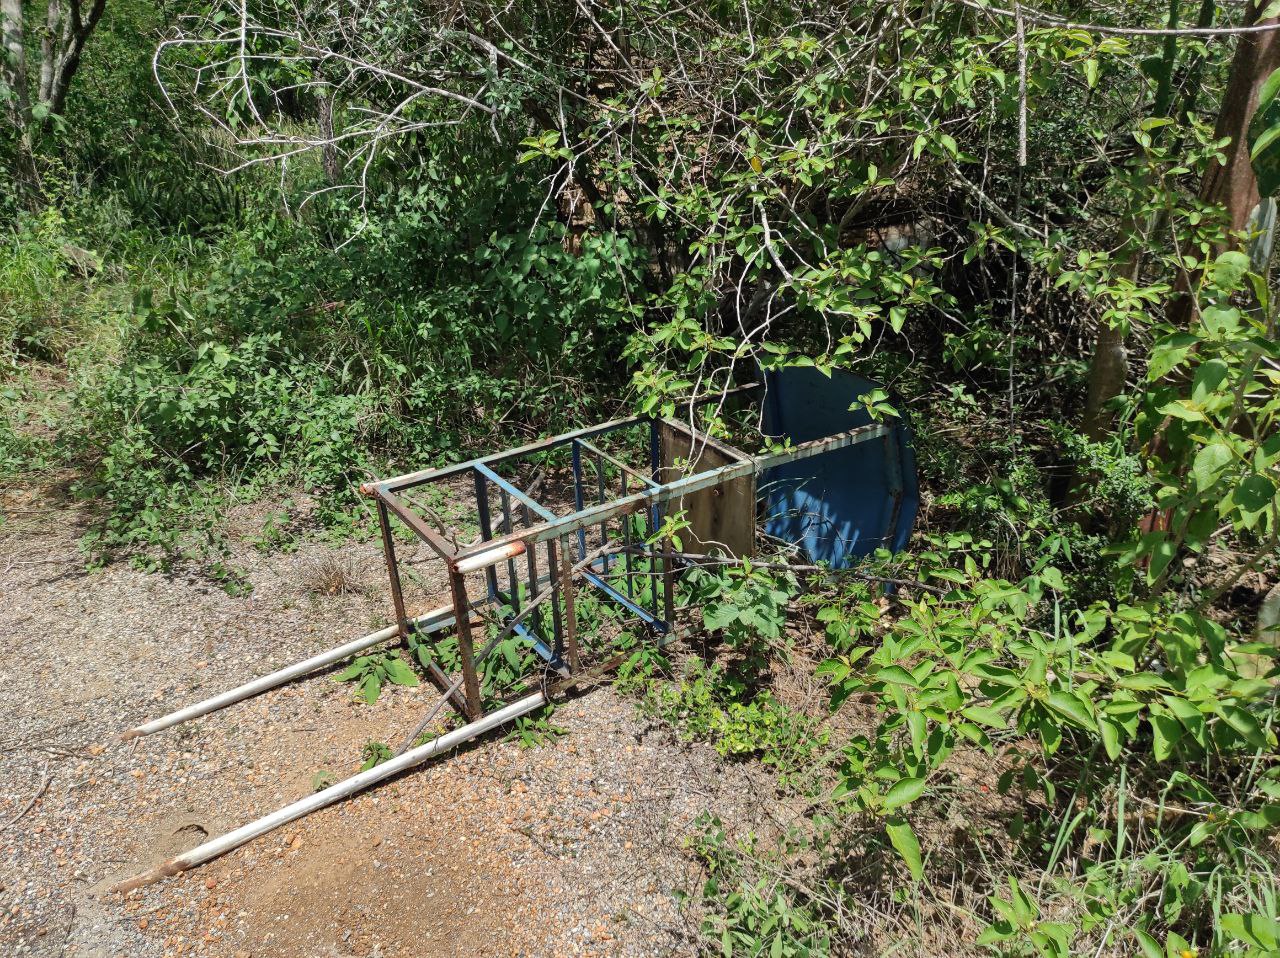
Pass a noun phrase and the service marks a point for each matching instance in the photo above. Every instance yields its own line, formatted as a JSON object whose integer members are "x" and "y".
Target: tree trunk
{"x": 14, "y": 65}
{"x": 13, "y": 71}
{"x": 67, "y": 29}
{"x": 1108, "y": 371}
{"x": 1109, "y": 367}
{"x": 1231, "y": 183}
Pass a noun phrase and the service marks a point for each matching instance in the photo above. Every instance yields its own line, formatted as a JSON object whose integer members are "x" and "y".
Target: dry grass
{"x": 332, "y": 574}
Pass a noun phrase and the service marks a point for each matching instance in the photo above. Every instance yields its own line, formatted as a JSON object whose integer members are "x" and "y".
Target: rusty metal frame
{"x": 563, "y": 536}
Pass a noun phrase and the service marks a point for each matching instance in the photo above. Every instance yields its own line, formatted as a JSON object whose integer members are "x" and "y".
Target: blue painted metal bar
{"x": 540, "y": 647}
{"x": 553, "y": 573}
{"x": 486, "y": 529}
{"x": 515, "y": 492}
{"x": 600, "y": 499}
{"x": 526, "y": 631}
{"x": 626, "y": 603}
{"x": 655, "y": 465}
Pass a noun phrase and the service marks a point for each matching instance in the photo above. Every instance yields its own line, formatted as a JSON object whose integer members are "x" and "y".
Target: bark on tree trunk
{"x": 67, "y": 29}
{"x": 1107, "y": 374}
{"x": 1109, "y": 367}
{"x": 15, "y": 62}
{"x": 1231, "y": 183}
{"x": 13, "y": 71}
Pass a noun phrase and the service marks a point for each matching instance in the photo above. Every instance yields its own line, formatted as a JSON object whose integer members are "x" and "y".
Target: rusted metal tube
{"x": 435, "y": 619}
{"x": 305, "y": 806}
{"x": 482, "y": 560}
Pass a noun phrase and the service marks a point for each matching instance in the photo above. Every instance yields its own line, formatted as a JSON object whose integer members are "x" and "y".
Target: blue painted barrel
{"x": 842, "y": 505}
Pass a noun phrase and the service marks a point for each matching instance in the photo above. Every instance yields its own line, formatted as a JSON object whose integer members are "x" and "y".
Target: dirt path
{"x": 573, "y": 848}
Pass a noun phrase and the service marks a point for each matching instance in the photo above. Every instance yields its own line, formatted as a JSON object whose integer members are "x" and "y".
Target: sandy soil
{"x": 573, "y": 848}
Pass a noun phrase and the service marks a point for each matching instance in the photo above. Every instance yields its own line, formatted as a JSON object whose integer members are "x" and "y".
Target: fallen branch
{"x": 701, "y": 559}
{"x": 44, "y": 786}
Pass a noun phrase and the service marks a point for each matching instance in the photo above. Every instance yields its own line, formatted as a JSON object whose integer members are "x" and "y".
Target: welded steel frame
{"x": 560, "y": 538}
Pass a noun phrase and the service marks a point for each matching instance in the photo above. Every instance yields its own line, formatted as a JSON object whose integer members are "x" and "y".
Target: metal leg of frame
{"x": 462, "y": 613}
{"x": 655, "y": 465}
{"x": 579, "y": 497}
{"x": 570, "y": 614}
{"x": 669, "y": 583}
{"x": 628, "y": 570}
{"x": 393, "y": 571}
{"x": 506, "y": 527}
{"x": 466, "y": 647}
{"x": 557, "y": 624}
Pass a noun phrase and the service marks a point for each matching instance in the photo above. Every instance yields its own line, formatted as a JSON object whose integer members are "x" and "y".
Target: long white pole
{"x": 225, "y": 843}
{"x": 436, "y": 618}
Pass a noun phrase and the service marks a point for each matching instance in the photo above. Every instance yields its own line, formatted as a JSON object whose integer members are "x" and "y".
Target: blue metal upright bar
{"x": 486, "y": 528}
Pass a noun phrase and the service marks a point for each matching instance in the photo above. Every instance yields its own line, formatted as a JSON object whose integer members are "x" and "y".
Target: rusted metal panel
{"x": 722, "y": 517}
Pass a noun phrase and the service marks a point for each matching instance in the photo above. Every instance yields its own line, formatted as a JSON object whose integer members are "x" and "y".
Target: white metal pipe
{"x": 287, "y": 674}
{"x": 482, "y": 560}
{"x": 234, "y": 839}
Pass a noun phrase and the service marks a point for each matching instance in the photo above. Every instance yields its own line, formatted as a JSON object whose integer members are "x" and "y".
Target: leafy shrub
{"x": 372, "y": 672}
{"x": 749, "y": 909}
{"x": 32, "y": 264}
{"x": 710, "y": 705}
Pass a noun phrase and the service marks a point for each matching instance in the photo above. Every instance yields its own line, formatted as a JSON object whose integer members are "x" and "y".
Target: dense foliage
{"x": 319, "y": 241}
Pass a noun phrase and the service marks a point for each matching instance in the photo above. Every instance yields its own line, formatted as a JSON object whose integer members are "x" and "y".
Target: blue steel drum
{"x": 842, "y": 505}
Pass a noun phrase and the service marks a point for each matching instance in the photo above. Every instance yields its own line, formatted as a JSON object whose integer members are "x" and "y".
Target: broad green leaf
{"x": 903, "y": 792}
{"x": 719, "y": 616}
{"x": 1070, "y": 707}
{"x": 1245, "y": 725}
{"x": 1001, "y": 931}
{"x": 1162, "y": 553}
{"x": 1254, "y": 493}
{"x": 985, "y": 715}
{"x": 351, "y": 672}
{"x": 907, "y": 845}
{"x": 1264, "y": 128}
{"x": 1257, "y": 930}
{"x": 1111, "y": 737}
{"x": 1168, "y": 354}
{"x": 1150, "y": 947}
{"x": 1228, "y": 268}
{"x": 1209, "y": 463}
{"x": 1091, "y": 72}
{"x": 399, "y": 673}
{"x": 1176, "y": 946}
{"x": 897, "y": 675}
{"x": 1219, "y": 320}
{"x": 1165, "y": 735}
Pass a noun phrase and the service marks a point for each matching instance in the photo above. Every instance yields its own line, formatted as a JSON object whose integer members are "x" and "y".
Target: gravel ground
{"x": 573, "y": 848}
